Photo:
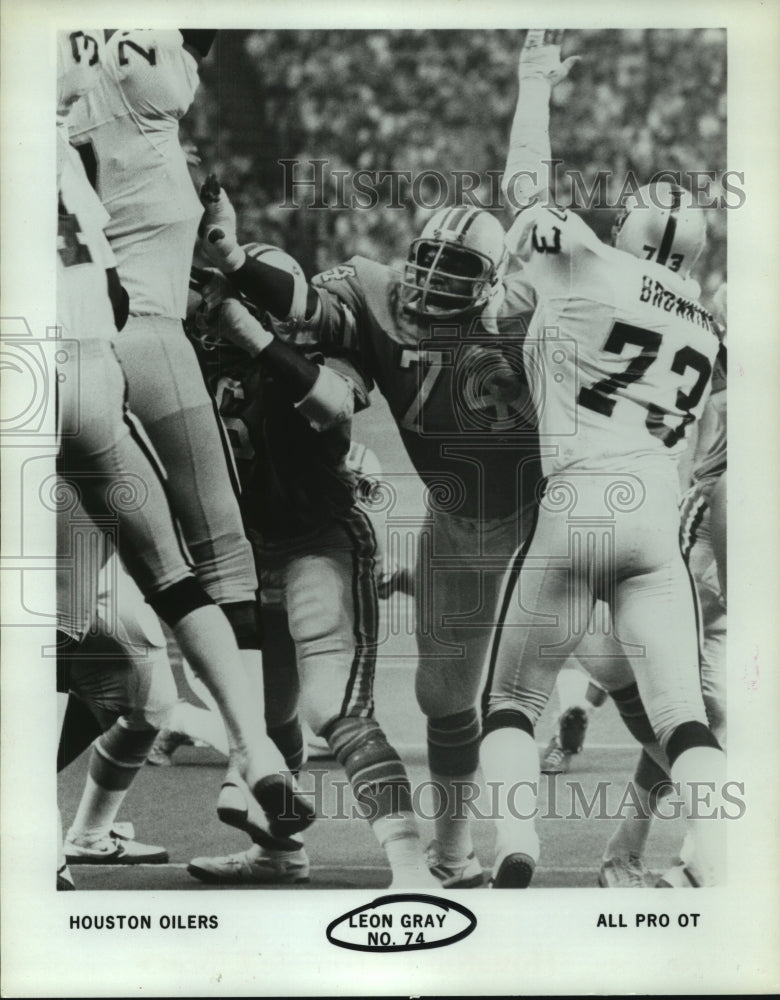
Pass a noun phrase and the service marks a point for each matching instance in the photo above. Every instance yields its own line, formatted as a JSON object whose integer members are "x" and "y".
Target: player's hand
{"x": 217, "y": 230}
{"x": 240, "y": 327}
{"x": 216, "y": 287}
{"x": 540, "y": 56}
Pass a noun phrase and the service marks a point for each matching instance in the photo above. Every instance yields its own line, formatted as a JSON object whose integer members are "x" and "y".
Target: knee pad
{"x": 180, "y": 599}
{"x": 245, "y": 621}
{"x": 650, "y": 776}
{"x": 119, "y": 754}
{"x": 453, "y": 744}
{"x": 507, "y": 718}
{"x": 633, "y": 714}
{"x": 375, "y": 771}
{"x": 688, "y": 736}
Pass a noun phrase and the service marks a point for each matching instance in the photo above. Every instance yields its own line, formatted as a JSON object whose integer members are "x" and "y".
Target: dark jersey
{"x": 294, "y": 480}
{"x": 458, "y": 395}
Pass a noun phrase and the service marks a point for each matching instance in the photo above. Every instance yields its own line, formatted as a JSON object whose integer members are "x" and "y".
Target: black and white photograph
{"x": 366, "y": 516}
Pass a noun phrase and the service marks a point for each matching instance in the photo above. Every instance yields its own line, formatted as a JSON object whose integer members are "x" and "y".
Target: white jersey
{"x": 83, "y": 305}
{"x": 619, "y": 353}
{"x": 127, "y": 132}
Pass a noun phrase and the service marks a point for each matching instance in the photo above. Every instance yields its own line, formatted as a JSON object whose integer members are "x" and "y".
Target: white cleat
{"x": 255, "y": 866}
{"x": 626, "y": 873}
{"x": 114, "y": 848}
{"x": 465, "y": 874}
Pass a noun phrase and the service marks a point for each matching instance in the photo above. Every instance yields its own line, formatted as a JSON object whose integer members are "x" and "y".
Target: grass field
{"x": 174, "y": 806}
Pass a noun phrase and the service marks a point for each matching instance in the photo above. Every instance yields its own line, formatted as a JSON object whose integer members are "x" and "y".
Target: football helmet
{"x": 660, "y": 223}
{"x": 455, "y": 266}
{"x": 78, "y": 66}
{"x": 203, "y": 323}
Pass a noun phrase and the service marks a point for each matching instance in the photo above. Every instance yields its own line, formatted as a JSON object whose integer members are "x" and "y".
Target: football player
{"x": 460, "y": 399}
{"x": 635, "y": 358}
{"x": 703, "y": 543}
{"x": 119, "y": 674}
{"x": 126, "y": 132}
{"x": 463, "y": 411}
{"x": 107, "y": 463}
{"x": 288, "y": 416}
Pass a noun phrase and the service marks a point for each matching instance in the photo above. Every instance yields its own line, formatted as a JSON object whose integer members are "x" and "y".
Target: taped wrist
{"x": 330, "y": 400}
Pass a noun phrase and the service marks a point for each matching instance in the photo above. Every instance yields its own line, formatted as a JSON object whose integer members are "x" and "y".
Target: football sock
{"x": 375, "y": 771}
{"x": 701, "y": 773}
{"x": 116, "y": 759}
{"x": 200, "y": 724}
{"x": 453, "y": 758}
{"x": 399, "y": 838}
{"x": 631, "y": 836}
{"x": 79, "y": 728}
{"x": 288, "y": 737}
{"x": 510, "y": 764}
{"x": 207, "y": 641}
{"x": 595, "y": 694}
{"x": 572, "y": 686}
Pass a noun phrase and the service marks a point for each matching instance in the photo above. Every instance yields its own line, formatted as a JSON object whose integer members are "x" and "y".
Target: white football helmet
{"x": 78, "y": 66}
{"x": 203, "y": 323}
{"x": 455, "y": 266}
{"x": 661, "y": 223}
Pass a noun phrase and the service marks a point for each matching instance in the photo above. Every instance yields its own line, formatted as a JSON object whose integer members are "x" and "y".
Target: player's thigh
{"x": 601, "y": 653}
{"x": 461, "y": 564}
{"x": 537, "y": 627}
{"x": 168, "y": 394}
{"x": 109, "y": 466}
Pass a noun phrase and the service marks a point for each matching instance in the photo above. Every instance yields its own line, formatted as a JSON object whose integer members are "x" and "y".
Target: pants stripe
{"x": 510, "y": 583}
{"x": 359, "y": 694}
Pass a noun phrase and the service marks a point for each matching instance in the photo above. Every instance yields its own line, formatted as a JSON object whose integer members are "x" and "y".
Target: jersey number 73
{"x": 600, "y": 397}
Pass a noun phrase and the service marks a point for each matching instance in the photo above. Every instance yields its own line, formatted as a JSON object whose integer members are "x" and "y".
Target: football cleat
{"x": 167, "y": 743}
{"x": 465, "y": 874}
{"x": 514, "y": 871}
{"x": 255, "y": 866}
{"x": 113, "y": 849}
{"x": 571, "y": 729}
{"x": 64, "y": 880}
{"x": 678, "y": 877}
{"x": 625, "y": 873}
{"x": 555, "y": 759}
{"x": 271, "y": 817}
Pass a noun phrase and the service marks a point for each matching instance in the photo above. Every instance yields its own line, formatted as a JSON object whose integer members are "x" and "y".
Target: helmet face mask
{"x": 454, "y": 266}
{"x": 660, "y": 223}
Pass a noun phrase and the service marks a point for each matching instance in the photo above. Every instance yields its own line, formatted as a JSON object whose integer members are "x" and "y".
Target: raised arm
{"x": 527, "y": 173}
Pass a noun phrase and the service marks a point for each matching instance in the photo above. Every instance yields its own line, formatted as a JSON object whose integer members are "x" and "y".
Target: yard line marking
{"x": 402, "y": 747}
